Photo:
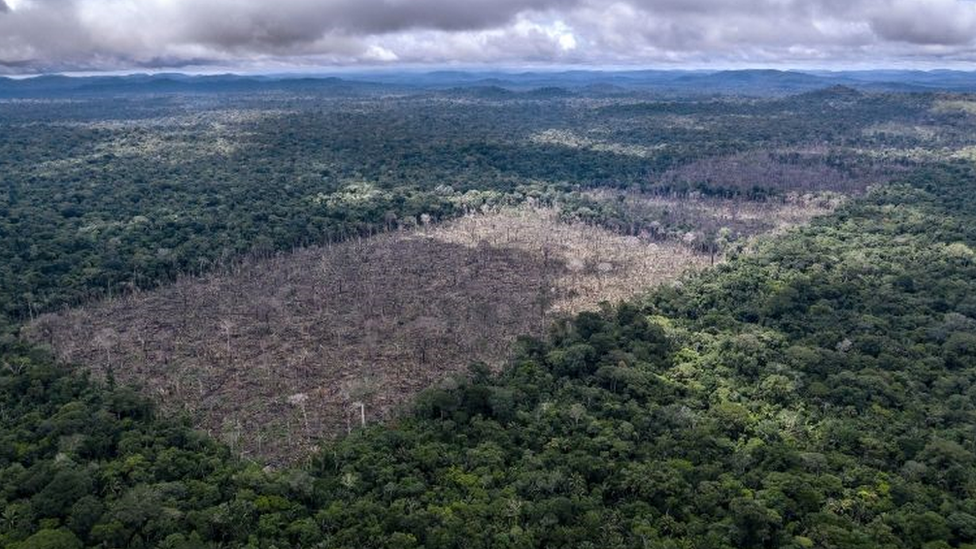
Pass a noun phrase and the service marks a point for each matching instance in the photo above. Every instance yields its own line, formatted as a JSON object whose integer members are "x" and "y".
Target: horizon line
{"x": 434, "y": 69}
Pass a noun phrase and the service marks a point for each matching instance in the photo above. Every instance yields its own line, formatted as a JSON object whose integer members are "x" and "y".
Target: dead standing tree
{"x": 396, "y": 312}
{"x": 356, "y": 394}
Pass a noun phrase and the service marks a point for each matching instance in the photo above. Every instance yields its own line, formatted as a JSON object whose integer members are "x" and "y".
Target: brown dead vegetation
{"x": 659, "y": 217}
{"x": 277, "y": 353}
{"x": 804, "y": 171}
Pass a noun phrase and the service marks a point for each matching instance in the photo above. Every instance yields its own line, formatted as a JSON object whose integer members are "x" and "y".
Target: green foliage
{"x": 106, "y": 194}
{"x": 819, "y": 392}
{"x": 842, "y": 420}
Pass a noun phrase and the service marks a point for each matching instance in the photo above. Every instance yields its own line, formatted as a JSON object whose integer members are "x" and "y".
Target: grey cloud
{"x": 386, "y": 16}
{"x": 173, "y": 62}
{"x": 65, "y": 34}
{"x": 247, "y": 23}
{"x": 99, "y": 30}
{"x": 944, "y": 22}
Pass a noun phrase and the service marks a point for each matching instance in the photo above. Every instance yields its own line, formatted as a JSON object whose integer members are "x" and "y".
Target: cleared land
{"x": 689, "y": 218}
{"x": 793, "y": 171}
{"x": 276, "y": 354}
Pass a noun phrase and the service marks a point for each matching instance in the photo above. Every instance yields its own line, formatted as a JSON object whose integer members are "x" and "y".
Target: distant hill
{"x": 834, "y": 93}
{"x": 56, "y": 85}
{"x": 752, "y": 82}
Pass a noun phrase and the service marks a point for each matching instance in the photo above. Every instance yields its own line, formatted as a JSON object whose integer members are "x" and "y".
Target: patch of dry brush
{"x": 277, "y": 353}
{"x": 700, "y": 214}
{"x": 793, "y": 171}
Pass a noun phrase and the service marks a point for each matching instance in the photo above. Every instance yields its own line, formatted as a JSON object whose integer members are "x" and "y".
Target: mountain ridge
{"x": 749, "y": 82}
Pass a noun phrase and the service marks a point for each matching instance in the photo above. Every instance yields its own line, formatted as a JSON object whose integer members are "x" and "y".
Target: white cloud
{"x": 379, "y": 53}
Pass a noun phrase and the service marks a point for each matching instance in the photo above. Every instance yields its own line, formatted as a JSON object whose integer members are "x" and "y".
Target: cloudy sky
{"x": 274, "y": 35}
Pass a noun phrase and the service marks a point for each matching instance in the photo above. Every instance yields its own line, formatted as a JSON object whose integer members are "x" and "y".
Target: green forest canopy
{"x": 817, "y": 393}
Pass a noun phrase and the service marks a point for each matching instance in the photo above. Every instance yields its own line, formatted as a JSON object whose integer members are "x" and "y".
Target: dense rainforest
{"x": 104, "y": 195}
{"x": 815, "y": 390}
{"x": 816, "y": 393}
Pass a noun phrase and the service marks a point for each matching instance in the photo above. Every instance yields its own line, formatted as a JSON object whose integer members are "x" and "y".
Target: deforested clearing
{"x": 275, "y": 354}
